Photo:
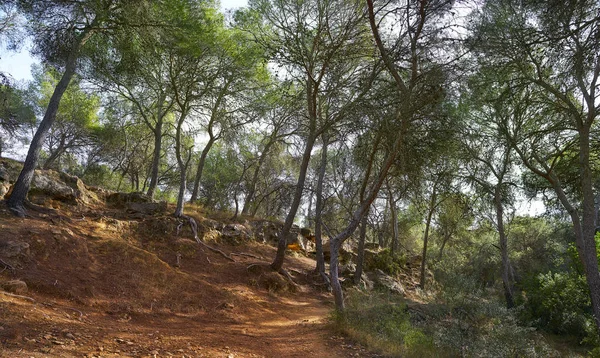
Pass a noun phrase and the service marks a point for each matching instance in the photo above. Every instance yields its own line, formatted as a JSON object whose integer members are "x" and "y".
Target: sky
{"x": 18, "y": 65}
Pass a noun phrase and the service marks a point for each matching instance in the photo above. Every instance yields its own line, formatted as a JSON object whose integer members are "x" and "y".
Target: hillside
{"x": 84, "y": 277}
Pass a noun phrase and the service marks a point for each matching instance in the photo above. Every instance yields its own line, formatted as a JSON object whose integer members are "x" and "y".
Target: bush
{"x": 386, "y": 262}
{"x": 559, "y": 302}
{"x": 382, "y": 323}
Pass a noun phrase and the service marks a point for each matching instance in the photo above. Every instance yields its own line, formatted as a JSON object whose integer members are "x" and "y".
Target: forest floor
{"x": 104, "y": 283}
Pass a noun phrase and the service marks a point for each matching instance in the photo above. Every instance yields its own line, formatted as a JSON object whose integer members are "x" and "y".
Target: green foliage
{"x": 479, "y": 328}
{"x": 382, "y": 322}
{"x": 101, "y": 176}
{"x": 386, "y": 262}
{"x": 559, "y": 302}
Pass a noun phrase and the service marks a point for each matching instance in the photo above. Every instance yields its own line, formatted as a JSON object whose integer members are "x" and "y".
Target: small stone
{"x": 70, "y": 336}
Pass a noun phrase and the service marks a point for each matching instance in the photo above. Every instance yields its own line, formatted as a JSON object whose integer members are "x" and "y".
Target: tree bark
{"x": 360, "y": 260}
{"x": 23, "y": 183}
{"x": 320, "y": 268}
{"x": 277, "y": 263}
{"x": 158, "y": 134}
{"x": 201, "y": 163}
{"x": 182, "y": 167}
{"x": 505, "y": 266}
{"x": 252, "y": 190}
{"x": 432, "y": 206}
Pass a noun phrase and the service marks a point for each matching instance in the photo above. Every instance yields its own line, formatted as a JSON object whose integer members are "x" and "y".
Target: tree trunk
{"x": 201, "y": 163}
{"x": 394, "y": 219}
{"x": 252, "y": 190}
{"x": 23, "y": 183}
{"x": 277, "y": 263}
{"x": 426, "y": 238}
{"x": 587, "y": 230}
{"x": 156, "y": 154}
{"x": 319, "y": 209}
{"x": 182, "y": 167}
{"x": 505, "y": 266}
{"x": 361, "y": 250}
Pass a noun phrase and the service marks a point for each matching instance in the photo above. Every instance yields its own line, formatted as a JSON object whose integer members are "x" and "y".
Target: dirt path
{"x": 101, "y": 291}
{"x": 291, "y": 329}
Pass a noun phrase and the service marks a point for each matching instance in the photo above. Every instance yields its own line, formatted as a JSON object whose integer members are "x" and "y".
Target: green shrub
{"x": 386, "y": 262}
{"x": 382, "y": 323}
{"x": 558, "y": 302}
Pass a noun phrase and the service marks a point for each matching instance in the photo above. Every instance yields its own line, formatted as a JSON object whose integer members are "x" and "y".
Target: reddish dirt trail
{"x": 103, "y": 289}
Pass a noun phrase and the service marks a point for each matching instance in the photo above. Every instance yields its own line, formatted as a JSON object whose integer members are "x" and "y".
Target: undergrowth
{"x": 467, "y": 328}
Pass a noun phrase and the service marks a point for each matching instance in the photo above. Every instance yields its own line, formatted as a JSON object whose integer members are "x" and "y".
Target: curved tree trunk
{"x": 277, "y": 263}
{"x": 252, "y": 190}
{"x": 23, "y": 183}
{"x": 201, "y": 163}
{"x": 155, "y": 158}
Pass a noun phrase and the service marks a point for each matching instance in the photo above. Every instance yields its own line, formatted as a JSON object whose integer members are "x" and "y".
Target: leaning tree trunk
{"x": 336, "y": 242}
{"x": 252, "y": 189}
{"x": 155, "y": 157}
{"x": 21, "y": 188}
{"x": 277, "y": 263}
{"x": 200, "y": 169}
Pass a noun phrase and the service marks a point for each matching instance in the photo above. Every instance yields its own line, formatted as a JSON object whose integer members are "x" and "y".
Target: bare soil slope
{"x": 105, "y": 283}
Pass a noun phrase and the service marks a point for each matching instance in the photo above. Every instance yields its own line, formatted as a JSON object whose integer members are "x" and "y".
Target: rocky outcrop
{"x": 4, "y": 182}
{"x": 383, "y": 280}
{"x": 62, "y": 187}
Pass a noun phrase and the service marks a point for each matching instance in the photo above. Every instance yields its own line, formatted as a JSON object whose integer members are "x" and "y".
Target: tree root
{"x": 213, "y": 249}
{"x": 7, "y": 266}
{"x": 246, "y": 254}
{"x": 194, "y": 227}
{"x": 18, "y": 296}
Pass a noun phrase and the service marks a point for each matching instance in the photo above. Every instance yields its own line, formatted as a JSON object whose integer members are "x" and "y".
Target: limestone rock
{"x": 236, "y": 233}
{"x": 147, "y": 208}
{"x": 4, "y": 189}
{"x": 61, "y": 186}
{"x": 382, "y": 279}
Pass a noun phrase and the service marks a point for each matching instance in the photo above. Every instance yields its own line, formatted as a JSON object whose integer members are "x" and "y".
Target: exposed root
{"x": 194, "y": 228}
{"x": 7, "y": 266}
{"x": 213, "y": 249}
{"x": 289, "y": 277}
{"x": 246, "y": 254}
{"x": 18, "y": 296}
{"x": 76, "y": 310}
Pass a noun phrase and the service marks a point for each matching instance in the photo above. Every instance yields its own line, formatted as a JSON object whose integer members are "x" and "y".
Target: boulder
{"x": 236, "y": 233}
{"x": 14, "y": 286}
{"x": 381, "y": 279}
{"x": 62, "y": 187}
{"x": 147, "y": 208}
{"x": 123, "y": 199}
{"x": 4, "y": 188}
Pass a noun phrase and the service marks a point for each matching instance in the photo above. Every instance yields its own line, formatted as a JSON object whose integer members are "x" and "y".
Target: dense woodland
{"x": 425, "y": 127}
